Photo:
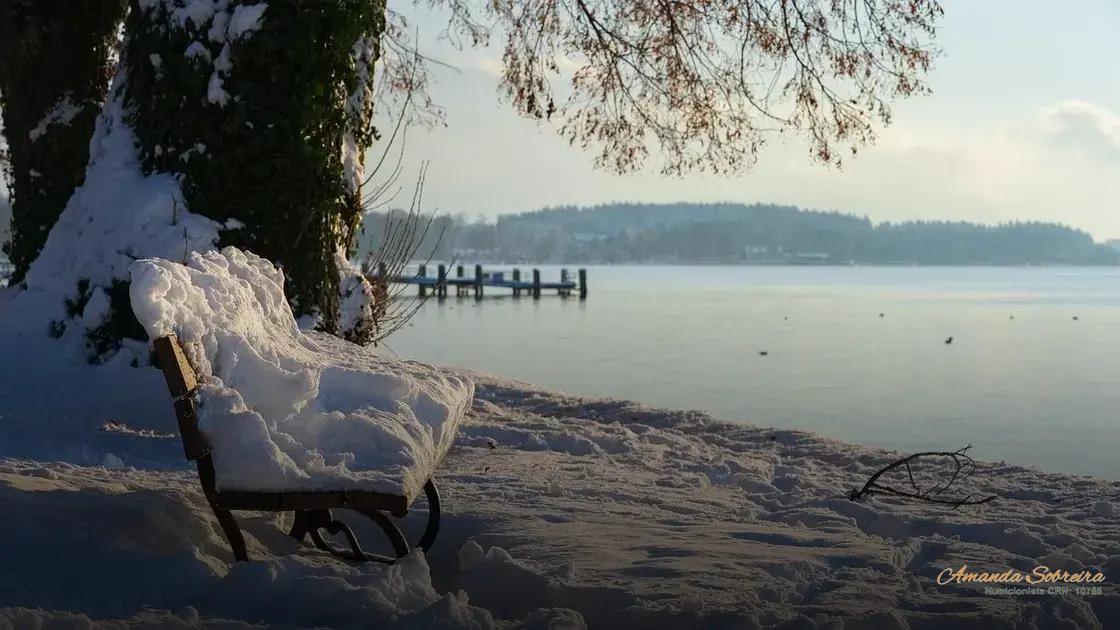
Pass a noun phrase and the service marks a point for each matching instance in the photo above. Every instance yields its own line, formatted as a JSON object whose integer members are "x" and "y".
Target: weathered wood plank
{"x": 195, "y": 445}
{"x": 284, "y": 501}
{"x": 180, "y": 376}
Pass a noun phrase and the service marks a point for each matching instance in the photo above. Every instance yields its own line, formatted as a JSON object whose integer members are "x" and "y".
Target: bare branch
{"x": 962, "y": 465}
{"x": 404, "y": 233}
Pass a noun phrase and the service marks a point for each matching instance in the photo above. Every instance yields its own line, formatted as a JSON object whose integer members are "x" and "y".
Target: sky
{"x": 1023, "y": 124}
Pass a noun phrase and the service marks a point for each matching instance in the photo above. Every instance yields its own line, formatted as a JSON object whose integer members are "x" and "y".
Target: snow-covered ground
{"x": 559, "y": 512}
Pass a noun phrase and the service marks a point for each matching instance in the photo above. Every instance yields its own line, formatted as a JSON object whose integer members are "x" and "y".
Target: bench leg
{"x": 309, "y": 522}
{"x": 400, "y": 544}
{"x": 430, "y": 532}
{"x": 232, "y": 532}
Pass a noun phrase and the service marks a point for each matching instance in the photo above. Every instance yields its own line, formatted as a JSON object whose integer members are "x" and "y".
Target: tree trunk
{"x": 54, "y": 70}
{"x": 267, "y": 126}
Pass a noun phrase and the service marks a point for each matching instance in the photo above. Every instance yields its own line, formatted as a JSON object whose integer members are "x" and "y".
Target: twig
{"x": 963, "y": 468}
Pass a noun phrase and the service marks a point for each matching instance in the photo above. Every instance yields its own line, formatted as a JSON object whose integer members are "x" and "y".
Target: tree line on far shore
{"x": 738, "y": 233}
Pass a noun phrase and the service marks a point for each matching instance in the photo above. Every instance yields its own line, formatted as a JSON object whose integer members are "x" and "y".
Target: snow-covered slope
{"x": 117, "y": 215}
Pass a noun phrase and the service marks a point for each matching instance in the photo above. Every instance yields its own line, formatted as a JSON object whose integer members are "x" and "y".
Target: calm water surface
{"x": 1023, "y": 380}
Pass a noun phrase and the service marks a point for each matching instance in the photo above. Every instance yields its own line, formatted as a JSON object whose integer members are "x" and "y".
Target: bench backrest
{"x": 182, "y": 383}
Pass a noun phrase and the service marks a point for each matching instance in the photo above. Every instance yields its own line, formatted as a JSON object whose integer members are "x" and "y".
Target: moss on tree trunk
{"x": 256, "y": 124}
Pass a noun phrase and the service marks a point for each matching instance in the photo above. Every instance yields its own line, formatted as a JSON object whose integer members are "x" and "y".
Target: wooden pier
{"x": 481, "y": 279}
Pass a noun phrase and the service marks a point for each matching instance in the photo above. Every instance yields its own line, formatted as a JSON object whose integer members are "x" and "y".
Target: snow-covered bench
{"x": 279, "y": 419}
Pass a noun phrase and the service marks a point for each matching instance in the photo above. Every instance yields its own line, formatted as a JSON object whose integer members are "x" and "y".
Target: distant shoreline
{"x": 739, "y": 234}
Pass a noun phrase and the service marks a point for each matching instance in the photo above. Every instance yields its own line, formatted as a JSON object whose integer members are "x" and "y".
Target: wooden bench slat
{"x": 181, "y": 379}
{"x": 194, "y": 443}
{"x": 285, "y": 501}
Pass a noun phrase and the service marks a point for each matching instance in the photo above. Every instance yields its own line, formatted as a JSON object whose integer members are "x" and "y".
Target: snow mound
{"x": 118, "y": 215}
{"x": 288, "y": 410}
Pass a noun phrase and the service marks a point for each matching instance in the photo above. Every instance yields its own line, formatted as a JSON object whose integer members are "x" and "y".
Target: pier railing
{"x": 476, "y": 283}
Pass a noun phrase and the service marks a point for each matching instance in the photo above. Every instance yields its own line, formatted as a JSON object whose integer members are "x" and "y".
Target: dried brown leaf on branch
{"x": 703, "y": 84}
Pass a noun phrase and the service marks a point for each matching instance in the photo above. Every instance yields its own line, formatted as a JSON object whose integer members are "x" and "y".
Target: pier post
{"x": 459, "y": 288}
{"x": 441, "y": 283}
{"x": 422, "y": 273}
{"x": 583, "y": 284}
{"x": 536, "y": 284}
{"x": 563, "y": 279}
{"x": 478, "y": 282}
{"x": 516, "y": 279}
{"x": 381, "y": 270}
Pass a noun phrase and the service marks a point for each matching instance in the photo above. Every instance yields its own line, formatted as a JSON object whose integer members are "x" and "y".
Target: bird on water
{"x": 949, "y": 341}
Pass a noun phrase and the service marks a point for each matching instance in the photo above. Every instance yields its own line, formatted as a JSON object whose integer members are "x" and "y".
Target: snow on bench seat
{"x": 290, "y": 411}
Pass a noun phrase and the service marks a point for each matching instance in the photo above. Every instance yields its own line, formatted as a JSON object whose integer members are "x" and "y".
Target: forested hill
{"x": 759, "y": 233}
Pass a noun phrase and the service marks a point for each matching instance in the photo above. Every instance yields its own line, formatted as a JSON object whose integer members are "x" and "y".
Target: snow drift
{"x": 117, "y": 215}
{"x": 285, "y": 410}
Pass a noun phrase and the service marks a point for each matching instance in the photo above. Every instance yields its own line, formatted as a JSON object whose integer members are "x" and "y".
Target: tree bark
{"x": 54, "y": 71}
{"x": 267, "y": 127}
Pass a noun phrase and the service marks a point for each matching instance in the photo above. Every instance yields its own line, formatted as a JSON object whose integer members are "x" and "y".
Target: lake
{"x": 1023, "y": 380}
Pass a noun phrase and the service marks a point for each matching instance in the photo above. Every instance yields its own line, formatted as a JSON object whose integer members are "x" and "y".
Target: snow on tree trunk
{"x": 265, "y": 111}
{"x": 54, "y": 70}
{"x": 228, "y": 123}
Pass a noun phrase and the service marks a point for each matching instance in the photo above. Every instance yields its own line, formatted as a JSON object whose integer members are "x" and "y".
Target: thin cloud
{"x": 1083, "y": 127}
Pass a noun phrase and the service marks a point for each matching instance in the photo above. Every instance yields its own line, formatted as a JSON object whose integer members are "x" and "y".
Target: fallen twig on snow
{"x": 963, "y": 466}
